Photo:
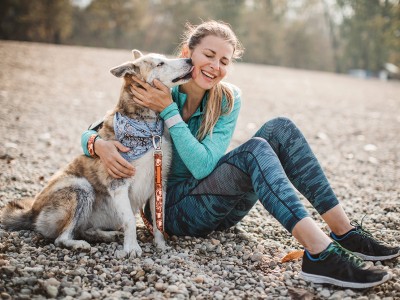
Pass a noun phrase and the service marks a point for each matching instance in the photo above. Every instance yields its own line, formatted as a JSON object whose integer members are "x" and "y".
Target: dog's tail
{"x": 17, "y": 214}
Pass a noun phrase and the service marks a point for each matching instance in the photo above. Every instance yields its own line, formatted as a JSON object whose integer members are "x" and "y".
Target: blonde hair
{"x": 191, "y": 38}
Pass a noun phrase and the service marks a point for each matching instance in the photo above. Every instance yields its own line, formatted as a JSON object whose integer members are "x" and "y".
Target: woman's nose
{"x": 215, "y": 64}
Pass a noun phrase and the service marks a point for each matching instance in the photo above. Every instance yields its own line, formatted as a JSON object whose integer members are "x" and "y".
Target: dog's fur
{"x": 83, "y": 200}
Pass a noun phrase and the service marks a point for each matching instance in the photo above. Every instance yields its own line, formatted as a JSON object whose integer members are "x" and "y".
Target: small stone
{"x": 5, "y": 296}
{"x": 120, "y": 254}
{"x": 26, "y": 291}
{"x": 199, "y": 279}
{"x": 160, "y": 286}
{"x": 140, "y": 285}
{"x": 52, "y": 291}
{"x": 373, "y": 160}
{"x": 8, "y": 270}
{"x": 215, "y": 242}
{"x": 121, "y": 295}
{"x": 173, "y": 289}
{"x": 337, "y": 295}
{"x": 85, "y": 296}
{"x": 3, "y": 262}
{"x": 370, "y": 147}
{"x": 69, "y": 291}
{"x": 52, "y": 281}
{"x": 77, "y": 280}
{"x": 325, "y": 293}
{"x": 139, "y": 273}
{"x": 95, "y": 294}
{"x": 256, "y": 256}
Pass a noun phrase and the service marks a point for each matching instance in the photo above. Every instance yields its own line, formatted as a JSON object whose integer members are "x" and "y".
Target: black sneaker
{"x": 360, "y": 242}
{"x": 338, "y": 266}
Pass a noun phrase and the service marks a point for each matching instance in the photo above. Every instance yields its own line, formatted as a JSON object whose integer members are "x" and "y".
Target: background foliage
{"x": 312, "y": 34}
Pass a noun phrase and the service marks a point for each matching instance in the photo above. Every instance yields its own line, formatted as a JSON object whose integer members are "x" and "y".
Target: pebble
{"x": 199, "y": 279}
{"x": 160, "y": 286}
{"x": 173, "y": 289}
{"x": 69, "y": 291}
{"x": 85, "y": 296}
{"x": 52, "y": 291}
{"x": 325, "y": 293}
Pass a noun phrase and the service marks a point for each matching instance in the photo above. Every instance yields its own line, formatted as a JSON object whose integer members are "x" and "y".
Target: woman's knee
{"x": 255, "y": 144}
{"x": 280, "y": 122}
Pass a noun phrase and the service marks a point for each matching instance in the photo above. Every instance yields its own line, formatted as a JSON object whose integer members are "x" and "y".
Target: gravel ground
{"x": 49, "y": 94}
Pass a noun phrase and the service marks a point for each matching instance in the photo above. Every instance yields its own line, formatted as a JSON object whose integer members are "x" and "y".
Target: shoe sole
{"x": 355, "y": 285}
{"x": 376, "y": 258}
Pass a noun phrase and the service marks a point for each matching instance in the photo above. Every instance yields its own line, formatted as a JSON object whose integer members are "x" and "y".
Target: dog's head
{"x": 152, "y": 66}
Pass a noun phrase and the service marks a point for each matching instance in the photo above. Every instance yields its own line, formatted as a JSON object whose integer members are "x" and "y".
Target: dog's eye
{"x": 160, "y": 64}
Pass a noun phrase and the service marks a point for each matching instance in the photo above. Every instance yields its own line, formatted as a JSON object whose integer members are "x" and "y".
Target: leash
{"x": 158, "y": 191}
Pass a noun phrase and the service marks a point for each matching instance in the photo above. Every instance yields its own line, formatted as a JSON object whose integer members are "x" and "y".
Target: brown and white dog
{"x": 83, "y": 200}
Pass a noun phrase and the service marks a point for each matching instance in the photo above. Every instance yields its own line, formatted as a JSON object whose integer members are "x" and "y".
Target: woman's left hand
{"x": 156, "y": 98}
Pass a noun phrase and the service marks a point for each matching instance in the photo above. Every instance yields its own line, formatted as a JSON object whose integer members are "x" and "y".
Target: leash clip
{"x": 157, "y": 141}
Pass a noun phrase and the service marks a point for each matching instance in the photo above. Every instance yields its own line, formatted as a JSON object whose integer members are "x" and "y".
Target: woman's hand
{"x": 156, "y": 98}
{"x": 115, "y": 164}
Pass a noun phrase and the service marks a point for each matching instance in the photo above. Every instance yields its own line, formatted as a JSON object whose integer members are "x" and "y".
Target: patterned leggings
{"x": 266, "y": 167}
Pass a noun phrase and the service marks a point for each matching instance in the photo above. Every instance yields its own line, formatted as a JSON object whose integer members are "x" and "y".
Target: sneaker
{"x": 361, "y": 243}
{"x": 338, "y": 266}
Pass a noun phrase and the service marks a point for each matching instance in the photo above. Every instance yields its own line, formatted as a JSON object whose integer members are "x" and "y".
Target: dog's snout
{"x": 189, "y": 61}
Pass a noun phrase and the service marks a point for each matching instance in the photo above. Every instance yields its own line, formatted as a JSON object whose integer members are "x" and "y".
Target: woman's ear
{"x": 185, "y": 52}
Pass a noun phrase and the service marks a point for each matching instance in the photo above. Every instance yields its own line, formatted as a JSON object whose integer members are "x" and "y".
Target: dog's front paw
{"x": 159, "y": 241}
{"x": 133, "y": 250}
{"x": 73, "y": 244}
{"x": 161, "y": 245}
{"x": 81, "y": 245}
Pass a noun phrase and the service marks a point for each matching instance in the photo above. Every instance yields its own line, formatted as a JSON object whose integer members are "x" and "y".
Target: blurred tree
{"x": 262, "y": 32}
{"x": 109, "y": 23}
{"x": 307, "y": 44}
{"x": 40, "y": 20}
{"x": 369, "y": 33}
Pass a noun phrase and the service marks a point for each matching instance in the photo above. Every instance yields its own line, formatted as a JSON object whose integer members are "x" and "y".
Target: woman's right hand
{"x": 115, "y": 164}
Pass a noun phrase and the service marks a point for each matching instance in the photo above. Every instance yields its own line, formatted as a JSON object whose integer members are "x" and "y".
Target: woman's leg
{"x": 299, "y": 162}
{"x": 304, "y": 171}
{"x": 250, "y": 172}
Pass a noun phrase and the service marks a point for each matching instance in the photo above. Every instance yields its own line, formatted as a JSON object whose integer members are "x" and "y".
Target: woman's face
{"x": 211, "y": 59}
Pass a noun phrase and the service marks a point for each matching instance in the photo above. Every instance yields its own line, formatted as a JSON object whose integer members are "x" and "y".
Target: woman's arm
{"x": 108, "y": 153}
{"x": 201, "y": 157}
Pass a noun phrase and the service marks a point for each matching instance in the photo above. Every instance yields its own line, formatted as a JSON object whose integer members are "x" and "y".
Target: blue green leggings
{"x": 267, "y": 167}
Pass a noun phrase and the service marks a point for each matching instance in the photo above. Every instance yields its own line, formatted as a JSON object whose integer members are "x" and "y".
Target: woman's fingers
{"x": 144, "y": 84}
{"x": 113, "y": 174}
{"x": 161, "y": 86}
{"x": 115, "y": 164}
{"x": 117, "y": 170}
{"x": 156, "y": 98}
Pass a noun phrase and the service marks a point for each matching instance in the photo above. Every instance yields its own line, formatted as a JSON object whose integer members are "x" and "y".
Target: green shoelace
{"x": 345, "y": 254}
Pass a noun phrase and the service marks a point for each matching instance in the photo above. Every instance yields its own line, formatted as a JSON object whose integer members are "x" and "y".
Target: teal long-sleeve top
{"x": 191, "y": 157}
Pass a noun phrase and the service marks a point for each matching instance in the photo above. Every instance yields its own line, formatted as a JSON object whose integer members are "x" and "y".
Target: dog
{"x": 82, "y": 202}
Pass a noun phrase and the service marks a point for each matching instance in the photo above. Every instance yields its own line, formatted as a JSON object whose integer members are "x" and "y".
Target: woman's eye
{"x": 160, "y": 64}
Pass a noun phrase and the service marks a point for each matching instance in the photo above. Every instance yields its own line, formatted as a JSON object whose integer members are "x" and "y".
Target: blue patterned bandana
{"x": 136, "y": 134}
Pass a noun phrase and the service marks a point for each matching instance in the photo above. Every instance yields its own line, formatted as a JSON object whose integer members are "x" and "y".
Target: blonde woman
{"x": 209, "y": 190}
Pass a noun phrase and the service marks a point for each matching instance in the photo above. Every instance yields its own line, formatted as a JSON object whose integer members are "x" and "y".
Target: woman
{"x": 210, "y": 191}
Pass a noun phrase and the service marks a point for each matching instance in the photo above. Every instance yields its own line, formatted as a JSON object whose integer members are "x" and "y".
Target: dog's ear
{"x": 124, "y": 69}
{"x": 136, "y": 53}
